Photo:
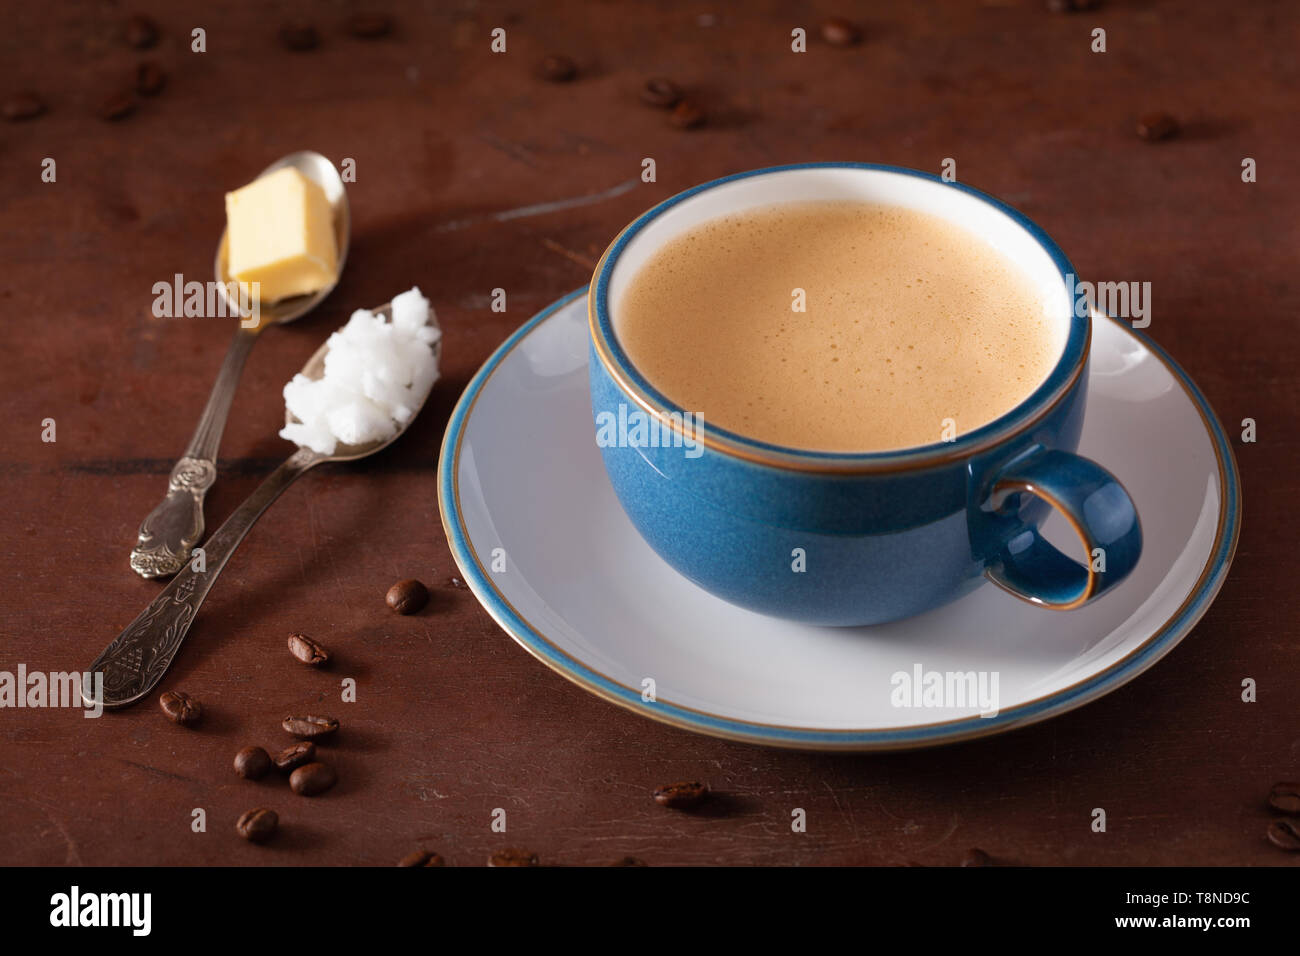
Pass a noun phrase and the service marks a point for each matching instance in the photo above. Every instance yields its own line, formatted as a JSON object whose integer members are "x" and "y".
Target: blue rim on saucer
{"x": 531, "y": 639}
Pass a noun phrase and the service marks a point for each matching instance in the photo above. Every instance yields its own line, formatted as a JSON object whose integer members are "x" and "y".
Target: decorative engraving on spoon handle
{"x": 137, "y": 659}
{"x": 169, "y": 533}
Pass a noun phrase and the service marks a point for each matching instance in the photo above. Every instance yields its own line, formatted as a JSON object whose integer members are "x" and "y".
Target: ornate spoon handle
{"x": 175, "y": 526}
{"x": 137, "y": 659}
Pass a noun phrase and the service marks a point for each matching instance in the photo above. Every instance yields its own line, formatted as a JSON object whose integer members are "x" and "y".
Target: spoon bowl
{"x": 315, "y": 368}
{"x": 322, "y": 172}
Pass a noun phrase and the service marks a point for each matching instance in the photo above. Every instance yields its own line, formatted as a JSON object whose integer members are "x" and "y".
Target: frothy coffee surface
{"x": 910, "y": 320}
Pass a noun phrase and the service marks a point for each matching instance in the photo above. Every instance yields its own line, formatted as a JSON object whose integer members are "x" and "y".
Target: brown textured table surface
{"x": 454, "y": 720}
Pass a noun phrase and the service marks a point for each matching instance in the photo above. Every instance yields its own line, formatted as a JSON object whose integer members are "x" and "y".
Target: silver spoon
{"x": 171, "y": 530}
{"x": 137, "y": 659}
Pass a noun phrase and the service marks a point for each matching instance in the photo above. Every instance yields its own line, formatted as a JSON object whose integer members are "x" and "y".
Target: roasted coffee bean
{"x": 180, "y": 707}
{"x": 660, "y": 92}
{"x": 22, "y": 106}
{"x": 558, "y": 68}
{"x": 299, "y": 37}
{"x": 149, "y": 79}
{"x": 1284, "y": 834}
{"x": 308, "y": 651}
{"x": 1072, "y": 6}
{"x": 368, "y": 26}
{"x": 1154, "y": 127}
{"x": 422, "y": 858}
{"x": 976, "y": 857}
{"x": 141, "y": 32}
{"x": 312, "y": 778}
{"x": 680, "y": 796}
{"x": 252, "y": 763}
{"x": 840, "y": 32}
{"x": 407, "y": 597}
{"x": 1285, "y": 797}
{"x": 687, "y": 115}
{"x": 258, "y": 825}
{"x": 294, "y": 756}
{"x": 628, "y": 861}
{"x": 513, "y": 857}
{"x": 309, "y": 727}
{"x": 117, "y": 105}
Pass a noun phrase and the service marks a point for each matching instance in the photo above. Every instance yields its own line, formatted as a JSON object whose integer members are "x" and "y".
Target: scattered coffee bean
{"x": 1285, "y": 835}
{"x": 407, "y": 597}
{"x": 180, "y": 707}
{"x": 294, "y": 756}
{"x": 840, "y": 32}
{"x": 312, "y": 778}
{"x": 149, "y": 79}
{"x": 513, "y": 857}
{"x": 976, "y": 857}
{"x": 1072, "y": 6}
{"x": 680, "y": 796}
{"x": 628, "y": 861}
{"x": 309, "y": 727}
{"x": 422, "y": 858}
{"x": 368, "y": 26}
{"x": 308, "y": 651}
{"x": 457, "y": 583}
{"x": 299, "y": 37}
{"x": 257, "y": 826}
{"x": 558, "y": 68}
{"x": 661, "y": 93}
{"x": 252, "y": 763}
{"x": 141, "y": 32}
{"x": 117, "y": 105}
{"x": 22, "y": 106}
{"x": 1285, "y": 797}
{"x": 1154, "y": 127}
{"x": 687, "y": 114}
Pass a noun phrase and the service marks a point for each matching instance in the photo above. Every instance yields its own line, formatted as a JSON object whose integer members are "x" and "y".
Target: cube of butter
{"x": 280, "y": 232}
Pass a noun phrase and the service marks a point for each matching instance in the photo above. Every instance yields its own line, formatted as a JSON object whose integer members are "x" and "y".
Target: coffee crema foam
{"x": 911, "y": 320}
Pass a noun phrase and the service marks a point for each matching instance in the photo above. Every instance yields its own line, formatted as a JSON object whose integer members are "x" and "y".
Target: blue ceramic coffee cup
{"x": 848, "y": 539}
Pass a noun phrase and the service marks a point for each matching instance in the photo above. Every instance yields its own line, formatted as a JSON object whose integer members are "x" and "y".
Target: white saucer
{"x": 580, "y": 590}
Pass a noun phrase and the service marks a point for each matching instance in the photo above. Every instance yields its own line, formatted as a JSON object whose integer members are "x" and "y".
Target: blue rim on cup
{"x": 1063, "y": 375}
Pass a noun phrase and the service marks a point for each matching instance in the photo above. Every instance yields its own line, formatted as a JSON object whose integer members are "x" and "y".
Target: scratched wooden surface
{"x": 453, "y": 146}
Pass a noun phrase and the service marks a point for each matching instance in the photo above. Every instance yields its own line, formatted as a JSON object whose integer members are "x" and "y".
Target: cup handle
{"x": 1095, "y": 504}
